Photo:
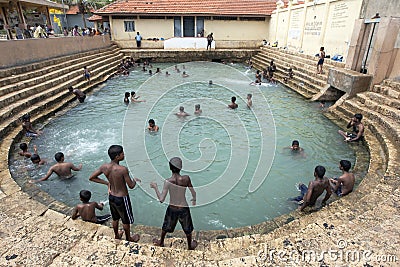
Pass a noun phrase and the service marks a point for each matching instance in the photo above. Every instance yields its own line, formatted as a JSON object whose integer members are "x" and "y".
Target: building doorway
{"x": 188, "y": 27}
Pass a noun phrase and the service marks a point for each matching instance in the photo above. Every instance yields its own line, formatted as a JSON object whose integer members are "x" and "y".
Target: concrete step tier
{"x": 17, "y": 82}
{"x": 305, "y": 80}
{"x": 28, "y": 70}
{"x": 48, "y": 93}
{"x": 364, "y": 220}
{"x": 63, "y": 72}
{"x": 386, "y": 90}
{"x": 309, "y": 70}
{"x": 395, "y": 85}
{"x": 305, "y": 89}
{"x": 383, "y": 99}
{"x": 384, "y": 128}
{"x": 300, "y": 72}
{"x": 304, "y": 58}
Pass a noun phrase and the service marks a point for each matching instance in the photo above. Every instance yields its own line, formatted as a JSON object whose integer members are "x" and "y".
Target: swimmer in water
{"x": 197, "y": 109}
{"x": 249, "y": 100}
{"x": 152, "y": 126}
{"x": 233, "y": 104}
{"x": 182, "y": 112}
{"x": 126, "y": 98}
{"x": 24, "y": 150}
{"x": 61, "y": 168}
{"x": 135, "y": 98}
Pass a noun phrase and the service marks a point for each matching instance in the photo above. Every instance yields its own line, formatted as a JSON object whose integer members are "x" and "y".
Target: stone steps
{"x": 25, "y": 70}
{"x": 29, "y": 87}
{"x": 305, "y": 80}
{"x": 300, "y": 72}
{"x": 395, "y": 85}
{"x": 303, "y": 68}
{"x": 297, "y": 84}
{"x": 385, "y": 129}
{"x": 366, "y": 219}
{"x": 381, "y": 104}
{"x": 56, "y": 92}
{"x": 304, "y": 58}
{"x": 382, "y": 99}
{"x": 386, "y": 90}
{"x": 20, "y": 81}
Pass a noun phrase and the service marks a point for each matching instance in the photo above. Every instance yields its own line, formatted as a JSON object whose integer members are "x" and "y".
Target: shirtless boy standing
{"x": 178, "y": 208}
{"x": 61, "y": 168}
{"x": 344, "y": 184}
{"x": 316, "y": 188}
{"x": 120, "y": 203}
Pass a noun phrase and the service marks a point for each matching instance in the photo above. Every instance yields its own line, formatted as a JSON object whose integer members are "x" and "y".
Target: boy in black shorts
{"x": 178, "y": 208}
{"x": 120, "y": 204}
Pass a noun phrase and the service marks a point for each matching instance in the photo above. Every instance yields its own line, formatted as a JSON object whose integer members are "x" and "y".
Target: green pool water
{"x": 237, "y": 159}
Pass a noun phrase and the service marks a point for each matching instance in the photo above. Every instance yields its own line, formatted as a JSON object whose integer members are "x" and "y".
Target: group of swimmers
{"x": 120, "y": 205}
{"x": 118, "y": 179}
{"x": 342, "y": 185}
{"x": 197, "y": 110}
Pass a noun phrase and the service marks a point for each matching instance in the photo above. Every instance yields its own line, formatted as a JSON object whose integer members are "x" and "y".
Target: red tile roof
{"x": 95, "y": 18}
{"x": 73, "y": 10}
{"x": 190, "y": 7}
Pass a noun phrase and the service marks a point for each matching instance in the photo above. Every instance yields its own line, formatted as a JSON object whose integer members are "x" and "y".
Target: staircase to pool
{"x": 380, "y": 107}
{"x": 43, "y": 87}
{"x": 305, "y": 80}
{"x": 32, "y": 234}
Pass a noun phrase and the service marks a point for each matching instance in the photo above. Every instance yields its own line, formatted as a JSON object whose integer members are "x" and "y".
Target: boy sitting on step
{"x": 87, "y": 209}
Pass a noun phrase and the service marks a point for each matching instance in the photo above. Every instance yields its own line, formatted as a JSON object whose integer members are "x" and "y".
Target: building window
{"x": 129, "y": 26}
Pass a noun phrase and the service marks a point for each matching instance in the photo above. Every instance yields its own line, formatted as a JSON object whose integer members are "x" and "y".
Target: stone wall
{"x": 190, "y": 55}
{"x": 219, "y": 44}
{"x": 20, "y": 52}
{"x": 348, "y": 81}
{"x": 387, "y": 8}
{"x": 309, "y": 26}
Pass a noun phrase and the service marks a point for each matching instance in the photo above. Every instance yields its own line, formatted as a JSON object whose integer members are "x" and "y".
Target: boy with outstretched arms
{"x": 178, "y": 208}
{"x": 61, "y": 168}
{"x": 120, "y": 203}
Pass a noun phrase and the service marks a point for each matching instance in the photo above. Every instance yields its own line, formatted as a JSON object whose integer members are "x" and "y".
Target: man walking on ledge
{"x": 210, "y": 38}
{"x": 138, "y": 40}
